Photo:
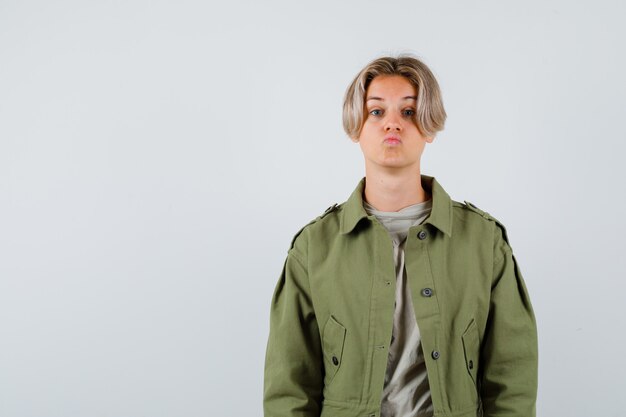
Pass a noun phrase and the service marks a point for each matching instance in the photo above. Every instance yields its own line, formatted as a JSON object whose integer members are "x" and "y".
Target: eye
{"x": 375, "y": 110}
{"x": 411, "y": 112}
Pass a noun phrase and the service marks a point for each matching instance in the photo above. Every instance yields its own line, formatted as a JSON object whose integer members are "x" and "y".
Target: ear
{"x": 429, "y": 139}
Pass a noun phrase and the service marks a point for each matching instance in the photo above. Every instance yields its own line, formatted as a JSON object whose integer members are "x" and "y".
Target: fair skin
{"x": 392, "y": 168}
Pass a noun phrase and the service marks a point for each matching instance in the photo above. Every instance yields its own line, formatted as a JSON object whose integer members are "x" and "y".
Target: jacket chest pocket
{"x": 333, "y": 339}
{"x": 471, "y": 349}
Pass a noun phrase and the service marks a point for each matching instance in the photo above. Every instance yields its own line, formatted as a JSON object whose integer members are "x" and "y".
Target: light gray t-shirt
{"x": 406, "y": 392}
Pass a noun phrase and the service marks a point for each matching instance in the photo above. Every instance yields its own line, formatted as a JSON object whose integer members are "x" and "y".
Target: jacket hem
{"x": 333, "y": 408}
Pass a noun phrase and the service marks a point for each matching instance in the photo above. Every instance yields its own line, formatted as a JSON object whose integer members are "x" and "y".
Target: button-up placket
{"x": 420, "y": 242}
{"x": 382, "y": 310}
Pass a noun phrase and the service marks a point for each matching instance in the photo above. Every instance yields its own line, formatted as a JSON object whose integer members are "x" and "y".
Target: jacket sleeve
{"x": 294, "y": 373}
{"x": 509, "y": 351}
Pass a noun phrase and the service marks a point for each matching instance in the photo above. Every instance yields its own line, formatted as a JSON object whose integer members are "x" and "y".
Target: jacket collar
{"x": 440, "y": 215}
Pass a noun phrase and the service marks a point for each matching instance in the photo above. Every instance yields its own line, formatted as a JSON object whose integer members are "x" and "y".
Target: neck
{"x": 391, "y": 192}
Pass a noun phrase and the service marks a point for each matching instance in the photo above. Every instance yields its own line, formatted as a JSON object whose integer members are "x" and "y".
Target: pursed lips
{"x": 392, "y": 140}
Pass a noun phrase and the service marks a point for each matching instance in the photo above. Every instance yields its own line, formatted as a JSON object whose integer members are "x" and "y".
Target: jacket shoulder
{"x": 472, "y": 207}
{"x": 326, "y": 212}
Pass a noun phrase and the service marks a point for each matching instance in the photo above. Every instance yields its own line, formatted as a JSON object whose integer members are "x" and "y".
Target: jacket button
{"x": 435, "y": 354}
{"x": 422, "y": 234}
{"x": 471, "y": 364}
{"x": 335, "y": 360}
{"x": 427, "y": 292}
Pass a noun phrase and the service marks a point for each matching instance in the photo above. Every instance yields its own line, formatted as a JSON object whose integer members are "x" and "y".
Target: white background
{"x": 156, "y": 159}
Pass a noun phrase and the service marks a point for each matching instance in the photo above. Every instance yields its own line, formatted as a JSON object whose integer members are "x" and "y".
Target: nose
{"x": 392, "y": 123}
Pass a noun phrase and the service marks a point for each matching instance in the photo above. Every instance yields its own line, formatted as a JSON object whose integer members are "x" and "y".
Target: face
{"x": 389, "y": 137}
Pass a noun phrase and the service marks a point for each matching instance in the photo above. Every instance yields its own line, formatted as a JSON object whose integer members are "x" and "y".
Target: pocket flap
{"x": 471, "y": 349}
{"x": 333, "y": 340}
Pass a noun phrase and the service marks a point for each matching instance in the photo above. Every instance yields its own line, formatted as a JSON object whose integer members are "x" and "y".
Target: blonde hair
{"x": 430, "y": 116}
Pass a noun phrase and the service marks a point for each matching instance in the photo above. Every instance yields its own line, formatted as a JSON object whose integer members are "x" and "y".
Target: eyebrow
{"x": 382, "y": 99}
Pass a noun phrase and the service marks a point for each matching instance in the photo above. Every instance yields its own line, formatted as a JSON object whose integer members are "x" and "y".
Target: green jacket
{"x": 331, "y": 314}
